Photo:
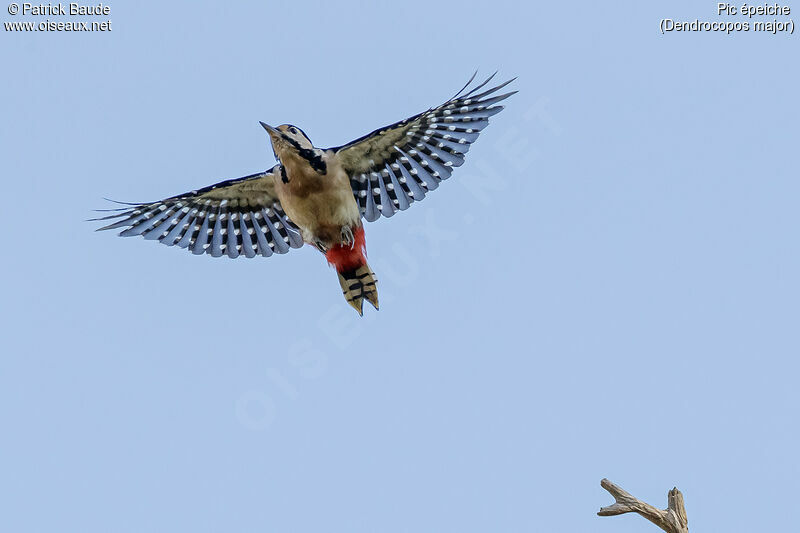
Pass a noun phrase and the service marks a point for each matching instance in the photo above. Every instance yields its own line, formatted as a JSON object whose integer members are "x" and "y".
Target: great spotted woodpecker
{"x": 319, "y": 196}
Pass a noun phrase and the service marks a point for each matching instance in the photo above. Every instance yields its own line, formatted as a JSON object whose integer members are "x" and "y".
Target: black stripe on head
{"x": 313, "y": 159}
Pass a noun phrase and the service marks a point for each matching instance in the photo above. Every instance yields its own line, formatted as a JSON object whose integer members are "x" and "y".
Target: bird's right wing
{"x": 236, "y": 217}
{"x": 397, "y": 165}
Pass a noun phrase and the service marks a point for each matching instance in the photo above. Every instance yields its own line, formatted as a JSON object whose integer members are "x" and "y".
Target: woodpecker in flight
{"x": 319, "y": 196}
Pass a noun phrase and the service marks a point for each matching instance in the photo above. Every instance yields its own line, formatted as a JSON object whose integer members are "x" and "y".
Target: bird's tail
{"x": 359, "y": 285}
{"x": 355, "y": 276}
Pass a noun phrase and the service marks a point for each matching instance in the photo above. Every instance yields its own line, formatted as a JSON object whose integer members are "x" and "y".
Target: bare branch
{"x": 672, "y": 519}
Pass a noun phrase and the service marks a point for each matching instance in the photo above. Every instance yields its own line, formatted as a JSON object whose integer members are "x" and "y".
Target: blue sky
{"x": 607, "y": 288}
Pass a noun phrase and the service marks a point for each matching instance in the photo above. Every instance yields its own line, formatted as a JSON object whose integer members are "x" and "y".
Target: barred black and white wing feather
{"x": 394, "y": 166}
{"x": 236, "y": 217}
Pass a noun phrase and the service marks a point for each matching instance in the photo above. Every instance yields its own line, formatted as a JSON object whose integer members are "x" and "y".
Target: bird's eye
{"x": 293, "y": 130}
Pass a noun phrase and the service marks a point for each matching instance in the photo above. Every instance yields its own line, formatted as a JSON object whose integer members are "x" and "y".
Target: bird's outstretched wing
{"x": 236, "y": 217}
{"x": 396, "y": 165}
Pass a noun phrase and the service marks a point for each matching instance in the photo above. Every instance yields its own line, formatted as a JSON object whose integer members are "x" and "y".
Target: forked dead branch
{"x": 672, "y": 519}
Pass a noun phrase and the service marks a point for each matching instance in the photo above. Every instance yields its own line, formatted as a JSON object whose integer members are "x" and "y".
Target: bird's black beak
{"x": 270, "y": 129}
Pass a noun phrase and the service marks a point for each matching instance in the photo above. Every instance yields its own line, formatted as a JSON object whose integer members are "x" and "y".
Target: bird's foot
{"x": 348, "y": 239}
{"x": 320, "y": 246}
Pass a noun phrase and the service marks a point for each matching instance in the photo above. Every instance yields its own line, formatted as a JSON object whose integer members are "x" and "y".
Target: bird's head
{"x": 287, "y": 139}
{"x": 290, "y": 142}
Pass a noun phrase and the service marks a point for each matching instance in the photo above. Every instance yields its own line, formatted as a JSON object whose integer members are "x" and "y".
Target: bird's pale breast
{"x": 319, "y": 204}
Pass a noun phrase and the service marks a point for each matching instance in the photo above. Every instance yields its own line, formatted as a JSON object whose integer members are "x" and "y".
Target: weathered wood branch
{"x": 672, "y": 519}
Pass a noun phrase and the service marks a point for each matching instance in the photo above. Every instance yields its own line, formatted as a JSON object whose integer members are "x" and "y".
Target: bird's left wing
{"x": 236, "y": 217}
{"x": 394, "y": 166}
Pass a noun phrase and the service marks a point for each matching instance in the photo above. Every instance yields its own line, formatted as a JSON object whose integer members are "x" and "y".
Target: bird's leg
{"x": 347, "y": 237}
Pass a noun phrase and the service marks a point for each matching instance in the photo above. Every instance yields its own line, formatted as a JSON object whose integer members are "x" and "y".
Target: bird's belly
{"x": 322, "y": 214}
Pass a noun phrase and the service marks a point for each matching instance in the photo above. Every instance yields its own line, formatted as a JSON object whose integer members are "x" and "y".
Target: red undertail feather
{"x": 344, "y": 257}
{"x": 355, "y": 276}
